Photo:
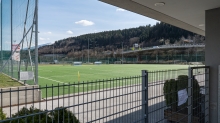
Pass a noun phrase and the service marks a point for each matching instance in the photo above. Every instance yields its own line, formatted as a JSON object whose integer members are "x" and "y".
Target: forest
{"x": 109, "y": 42}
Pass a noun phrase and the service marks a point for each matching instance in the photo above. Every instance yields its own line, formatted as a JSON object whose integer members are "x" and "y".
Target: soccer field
{"x": 65, "y": 74}
{"x": 54, "y": 74}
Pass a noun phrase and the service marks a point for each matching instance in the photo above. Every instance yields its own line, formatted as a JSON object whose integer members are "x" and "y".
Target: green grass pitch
{"x": 67, "y": 74}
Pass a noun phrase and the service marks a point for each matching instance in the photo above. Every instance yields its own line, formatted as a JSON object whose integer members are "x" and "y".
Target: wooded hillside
{"x": 111, "y": 41}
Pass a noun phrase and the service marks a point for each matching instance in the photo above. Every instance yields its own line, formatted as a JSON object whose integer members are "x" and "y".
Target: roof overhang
{"x": 188, "y": 15}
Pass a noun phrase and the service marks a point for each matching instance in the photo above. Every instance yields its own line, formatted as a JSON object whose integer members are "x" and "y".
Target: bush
{"x": 171, "y": 88}
{"x": 170, "y": 92}
{"x": 2, "y": 114}
{"x": 45, "y": 117}
{"x": 41, "y": 118}
{"x": 64, "y": 115}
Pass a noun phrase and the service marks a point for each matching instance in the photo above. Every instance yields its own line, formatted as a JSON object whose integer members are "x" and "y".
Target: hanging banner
{"x": 16, "y": 55}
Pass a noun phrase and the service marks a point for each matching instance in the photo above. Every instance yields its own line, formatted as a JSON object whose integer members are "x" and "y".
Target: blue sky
{"x": 59, "y": 19}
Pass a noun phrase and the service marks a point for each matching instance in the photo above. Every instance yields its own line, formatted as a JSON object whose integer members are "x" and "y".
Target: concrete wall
{"x": 19, "y": 95}
{"x": 212, "y": 59}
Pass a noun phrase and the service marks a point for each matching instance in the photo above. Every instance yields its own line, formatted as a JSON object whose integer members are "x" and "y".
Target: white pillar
{"x": 212, "y": 59}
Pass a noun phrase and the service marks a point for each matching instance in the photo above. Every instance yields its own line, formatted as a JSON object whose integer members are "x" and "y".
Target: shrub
{"x": 44, "y": 117}
{"x": 65, "y": 116}
{"x": 169, "y": 91}
{"x": 171, "y": 88}
{"x": 41, "y": 118}
{"x": 2, "y": 114}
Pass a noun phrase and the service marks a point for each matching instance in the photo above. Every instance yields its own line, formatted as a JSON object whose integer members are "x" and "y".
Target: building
{"x": 201, "y": 17}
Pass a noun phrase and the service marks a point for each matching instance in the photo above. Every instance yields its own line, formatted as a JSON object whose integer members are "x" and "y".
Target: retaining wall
{"x": 19, "y": 95}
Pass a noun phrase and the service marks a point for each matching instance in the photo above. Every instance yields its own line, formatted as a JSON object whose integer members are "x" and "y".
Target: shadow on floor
{"x": 156, "y": 114}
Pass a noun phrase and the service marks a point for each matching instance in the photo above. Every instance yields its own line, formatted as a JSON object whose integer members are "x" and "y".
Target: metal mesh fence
{"x": 161, "y": 59}
{"x": 147, "y": 98}
{"x": 177, "y": 96}
{"x": 114, "y": 100}
{"x": 18, "y": 29}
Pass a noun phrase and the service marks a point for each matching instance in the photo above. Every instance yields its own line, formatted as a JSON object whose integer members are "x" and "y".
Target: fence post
{"x": 145, "y": 95}
{"x": 206, "y": 95}
{"x": 190, "y": 96}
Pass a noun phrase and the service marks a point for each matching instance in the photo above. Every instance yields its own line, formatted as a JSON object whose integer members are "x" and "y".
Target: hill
{"x": 111, "y": 41}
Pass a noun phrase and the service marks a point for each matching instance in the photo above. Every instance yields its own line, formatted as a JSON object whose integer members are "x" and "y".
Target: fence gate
{"x": 200, "y": 74}
{"x": 176, "y": 95}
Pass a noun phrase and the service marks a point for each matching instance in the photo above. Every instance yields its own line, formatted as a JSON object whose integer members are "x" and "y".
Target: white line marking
{"x": 101, "y": 83}
{"x": 96, "y": 84}
{"x": 52, "y": 80}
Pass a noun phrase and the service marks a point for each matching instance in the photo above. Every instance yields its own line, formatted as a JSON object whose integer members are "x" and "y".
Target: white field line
{"x": 82, "y": 74}
{"x": 96, "y": 84}
{"x": 45, "y": 70}
{"x": 52, "y": 80}
{"x": 101, "y": 83}
{"x": 65, "y": 76}
{"x": 76, "y": 74}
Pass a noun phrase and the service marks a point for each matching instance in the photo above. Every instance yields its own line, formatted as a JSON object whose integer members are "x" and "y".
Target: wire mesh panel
{"x": 6, "y": 33}
{"x": 162, "y": 94}
{"x": 154, "y": 97}
{"x": 113, "y": 100}
{"x": 18, "y": 29}
{"x": 201, "y": 74}
{"x": 178, "y": 96}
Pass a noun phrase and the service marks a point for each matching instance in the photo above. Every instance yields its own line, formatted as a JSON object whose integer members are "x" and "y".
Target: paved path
{"x": 123, "y": 105}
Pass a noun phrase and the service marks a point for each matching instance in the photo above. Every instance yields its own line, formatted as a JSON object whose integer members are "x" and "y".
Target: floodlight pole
{"x": 53, "y": 52}
{"x": 122, "y": 52}
{"x": 88, "y": 51}
{"x": 1, "y": 39}
{"x": 196, "y": 55}
{"x": 36, "y": 42}
{"x": 12, "y": 70}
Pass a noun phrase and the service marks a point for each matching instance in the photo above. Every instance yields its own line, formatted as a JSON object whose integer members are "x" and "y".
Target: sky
{"x": 59, "y": 19}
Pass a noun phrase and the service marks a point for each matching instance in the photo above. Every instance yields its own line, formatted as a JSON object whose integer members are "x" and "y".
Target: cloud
{"x": 85, "y": 23}
{"x": 120, "y": 10}
{"x": 69, "y": 32}
{"x": 44, "y": 39}
{"x": 46, "y": 33}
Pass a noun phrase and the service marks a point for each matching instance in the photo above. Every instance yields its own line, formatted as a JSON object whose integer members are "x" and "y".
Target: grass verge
{"x": 6, "y": 81}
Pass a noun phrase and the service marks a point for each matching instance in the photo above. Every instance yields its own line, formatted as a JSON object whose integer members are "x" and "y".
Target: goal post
{"x": 78, "y": 63}
{"x": 98, "y": 63}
